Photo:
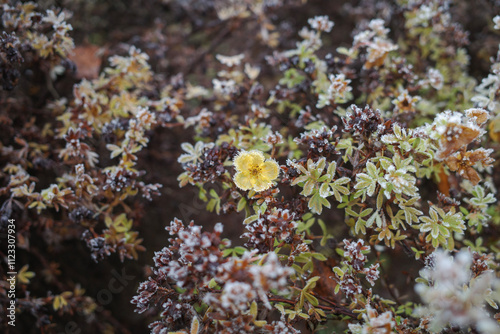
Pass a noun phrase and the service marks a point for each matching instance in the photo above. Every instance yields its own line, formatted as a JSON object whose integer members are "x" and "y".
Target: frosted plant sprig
{"x": 347, "y": 275}
{"x": 480, "y": 200}
{"x": 318, "y": 185}
{"x": 441, "y": 226}
{"x": 321, "y": 23}
{"x": 193, "y": 153}
{"x": 366, "y": 183}
{"x": 377, "y": 45}
{"x": 476, "y": 214}
{"x": 375, "y": 323}
{"x": 408, "y": 141}
{"x": 404, "y": 102}
{"x": 398, "y": 174}
{"x": 435, "y": 78}
{"x": 339, "y": 91}
{"x": 453, "y": 297}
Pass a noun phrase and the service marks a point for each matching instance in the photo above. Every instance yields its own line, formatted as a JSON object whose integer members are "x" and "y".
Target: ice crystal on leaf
{"x": 496, "y": 21}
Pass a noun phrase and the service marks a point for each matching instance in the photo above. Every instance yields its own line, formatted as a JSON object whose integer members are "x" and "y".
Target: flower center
{"x": 255, "y": 170}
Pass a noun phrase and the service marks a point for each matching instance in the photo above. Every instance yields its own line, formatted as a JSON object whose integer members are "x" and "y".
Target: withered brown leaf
{"x": 456, "y": 137}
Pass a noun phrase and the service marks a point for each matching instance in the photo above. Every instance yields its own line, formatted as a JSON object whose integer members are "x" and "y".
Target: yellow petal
{"x": 243, "y": 161}
{"x": 261, "y": 184}
{"x": 243, "y": 181}
{"x": 270, "y": 169}
{"x": 257, "y": 156}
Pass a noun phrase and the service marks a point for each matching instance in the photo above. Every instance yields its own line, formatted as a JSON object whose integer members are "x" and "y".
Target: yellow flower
{"x": 253, "y": 172}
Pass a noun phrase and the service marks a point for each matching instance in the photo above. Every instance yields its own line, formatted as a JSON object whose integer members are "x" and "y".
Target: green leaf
{"x": 24, "y": 276}
{"x": 212, "y": 284}
{"x": 365, "y": 212}
{"x": 380, "y": 200}
{"x": 360, "y": 226}
{"x": 315, "y": 203}
{"x": 298, "y": 269}
{"x": 338, "y": 271}
{"x": 303, "y": 315}
{"x": 311, "y": 283}
{"x": 305, "y": 226}
{"x": 322, "y": 224}
{"x": 280, "y": 308}
{"x": 324, "y": 229}
{"x": 372, "y": 219}
{"x": 241, "y": 204}
{"x": 251, "y": 219}
{"x": 308, "y": 266}
{"x": 311, "y": 299}
{"x": 308, "y": 187}
{"x": 324, "y": 190}
{"x": 240, "y": 250}
{"x": 195, "y": 325}
{"x": 211, "y": 205}
{"x": 332, "y": 168}
{"x": 339, "y": 189}
{"x": 319, "y": 256}
{"x": 253, "y": 309}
